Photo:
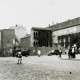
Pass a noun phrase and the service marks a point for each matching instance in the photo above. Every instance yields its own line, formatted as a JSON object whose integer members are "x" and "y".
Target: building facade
{"x": 25, "y": 42}
{"x": 7, "y": 41}
{"x": 64, "y": 33}
{"x": 41, "y": 37}
{"x": 20, "y": 31}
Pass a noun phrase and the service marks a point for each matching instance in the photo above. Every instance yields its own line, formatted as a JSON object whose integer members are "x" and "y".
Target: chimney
{"x": 49, "y": 25}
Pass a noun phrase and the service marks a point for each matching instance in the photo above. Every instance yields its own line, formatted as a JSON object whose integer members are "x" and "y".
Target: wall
{"x": 78, "y": 28}
{"x": 45, "y": 50}
{"x": 65, "y": 31}
{"x": 20, "y": 31}
{"x": 25, "y": 42}
{"x": 32, "y": 39}
{"x": 0, "y": 39}
{"x": 41, "y": 38}
{"x": 8, "y": 36}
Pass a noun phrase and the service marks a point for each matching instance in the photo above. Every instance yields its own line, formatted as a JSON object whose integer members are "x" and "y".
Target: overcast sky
{"x": 37, "y": 13}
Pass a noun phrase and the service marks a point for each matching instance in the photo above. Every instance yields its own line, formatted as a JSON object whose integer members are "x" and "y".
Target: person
{"x": 19, "y": 55}
{"x": 33, "y": 51}
{"x": 73, "y": 51}
{"x": 39, "y": 52}
{"x": 66, "y": 51}
{"x": 70, "y": 53}
{"x": 60, "y": 52}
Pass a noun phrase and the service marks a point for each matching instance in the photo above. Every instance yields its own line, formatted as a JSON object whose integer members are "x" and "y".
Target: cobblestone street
{"x": 40, "y": 68}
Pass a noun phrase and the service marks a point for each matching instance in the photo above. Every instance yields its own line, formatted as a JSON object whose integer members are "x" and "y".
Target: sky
{"x": 37, "y": 13}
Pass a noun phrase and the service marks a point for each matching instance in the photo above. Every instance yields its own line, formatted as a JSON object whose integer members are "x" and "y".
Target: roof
{"x": 38, "y": 28}
{"x": 66, "y": 24}
{"x": 25, "y": 37}
{"x": 62, "y": 25}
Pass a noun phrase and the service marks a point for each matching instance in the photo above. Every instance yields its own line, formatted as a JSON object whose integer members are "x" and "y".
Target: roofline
{"x": 71, "y": 23}
{"x": 25, "y": 37}
{"x": 38, "y": 28}
{"x": 65, "y": 27}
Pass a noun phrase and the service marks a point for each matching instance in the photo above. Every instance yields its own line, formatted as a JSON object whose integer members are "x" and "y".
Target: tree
{"x": 76, "y": 40}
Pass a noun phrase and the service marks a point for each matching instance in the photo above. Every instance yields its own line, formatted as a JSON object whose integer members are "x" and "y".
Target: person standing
{"x": 73, "y": 51}
{"x": 70, "y": 53}
{"x": 39, "y": 52}
{"x": 60, "y": 53}
{"x": 19, "y": 55}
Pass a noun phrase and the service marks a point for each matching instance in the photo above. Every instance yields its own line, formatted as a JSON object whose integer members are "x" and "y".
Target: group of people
{"x": 71, "y": 54}
{"x": 38, "y": 52}
{"x": 19, "y": 55}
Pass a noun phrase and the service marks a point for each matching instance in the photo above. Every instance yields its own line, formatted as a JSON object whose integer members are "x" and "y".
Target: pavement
{"x": 40, "y": 68}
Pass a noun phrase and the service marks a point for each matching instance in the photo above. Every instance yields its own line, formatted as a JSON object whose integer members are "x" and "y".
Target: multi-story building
{"x": 64, "y": 33}
{"x": 7, "y": 40}
{"x": 41, "y": 37}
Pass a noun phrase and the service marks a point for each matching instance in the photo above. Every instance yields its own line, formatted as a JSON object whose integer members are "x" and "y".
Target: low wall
{"x": 33, "y": 51}
{"x": 6, "y": 53}
{"x": 45, "y": 50}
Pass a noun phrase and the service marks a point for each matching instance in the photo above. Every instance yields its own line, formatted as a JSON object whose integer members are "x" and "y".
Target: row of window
{"x": 36, "y": 34}
{"x": 35, "y": 43}
{"x": 63, "y": 40}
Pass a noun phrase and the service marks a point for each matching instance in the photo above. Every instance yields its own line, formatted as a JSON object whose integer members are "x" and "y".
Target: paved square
{"x": 40, "y": 68}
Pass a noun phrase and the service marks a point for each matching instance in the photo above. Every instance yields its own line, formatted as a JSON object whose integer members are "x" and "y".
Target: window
{"x": 34, "y": 43}
{"x": 34, "y": 34}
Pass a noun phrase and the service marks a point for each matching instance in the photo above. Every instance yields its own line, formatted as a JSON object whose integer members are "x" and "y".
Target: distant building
{"x": 7, "y": 40}
{"x": 20, "y": 31}
{"x": 41, "y": 37}
{"x": 26, "y": 42}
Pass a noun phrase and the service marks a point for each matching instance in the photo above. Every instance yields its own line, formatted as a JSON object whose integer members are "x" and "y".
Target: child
{"x": 19, "y": 55}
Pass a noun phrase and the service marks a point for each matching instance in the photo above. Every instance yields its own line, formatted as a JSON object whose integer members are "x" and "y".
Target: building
{"x": 65, "y": 33}
{"x": 20, "y": 31}
{"x": 25, "y": 42}
{"x": 41, "y": 37}
{"x": 7, "y": 40}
